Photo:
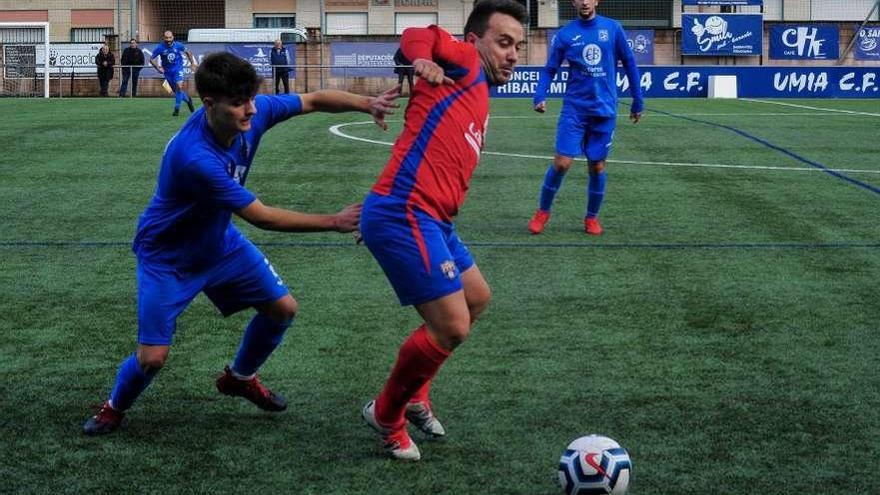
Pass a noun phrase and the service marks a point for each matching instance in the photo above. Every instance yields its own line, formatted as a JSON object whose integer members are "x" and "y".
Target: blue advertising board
{"x": 804, "y": 42}
{"x": 722, "y": 2}
{"x": 692, "y": 81}
{"x": 364, "y": 59}
{"x": 721, "y": 34}
{"x": 255, "y": 53}
{"x": 867, "y": 46}
{"x": 640, "y": 40}
{"x": 642, "y": 43}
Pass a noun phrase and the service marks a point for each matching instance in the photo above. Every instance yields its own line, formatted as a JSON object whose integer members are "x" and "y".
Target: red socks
{"x": 417, "y": 363}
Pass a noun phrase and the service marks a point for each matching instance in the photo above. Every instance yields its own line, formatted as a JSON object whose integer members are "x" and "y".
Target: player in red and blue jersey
{"x": 171, "y": 54}
{"x": 186, "y": 244}
{"x": 593, "y": 45}
{"x": 407, "y": 217}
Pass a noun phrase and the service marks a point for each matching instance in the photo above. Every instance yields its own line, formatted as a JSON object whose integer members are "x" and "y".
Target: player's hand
{"x": 541, "y": 107}
{"x": 635, "y": 117}
{"x": 161, "y": 70}
{"x": 348, "y": 219}
{"x": 383, "y": 105}
{"x": 431, "y": 72}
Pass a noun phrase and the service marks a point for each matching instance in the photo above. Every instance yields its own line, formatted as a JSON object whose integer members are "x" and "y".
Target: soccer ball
{"x": 594, "y": 465}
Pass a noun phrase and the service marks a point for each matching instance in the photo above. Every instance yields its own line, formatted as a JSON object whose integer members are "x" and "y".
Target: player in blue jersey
{"x": 186, "y": 244}
{"x": 171, "y": 54}
{"x": 593, "y": 45}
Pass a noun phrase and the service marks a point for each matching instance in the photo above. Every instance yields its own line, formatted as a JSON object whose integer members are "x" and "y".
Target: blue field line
{"x": 499, "y": 244}
{"x": 780, "y": 149}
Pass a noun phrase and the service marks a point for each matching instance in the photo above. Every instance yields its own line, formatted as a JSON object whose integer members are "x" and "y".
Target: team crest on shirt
{"x": 603, "y": 35}
{"x": 448, "y": 269}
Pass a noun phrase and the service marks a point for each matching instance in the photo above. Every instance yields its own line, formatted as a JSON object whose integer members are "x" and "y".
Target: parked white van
{"x": 232, "y": 35}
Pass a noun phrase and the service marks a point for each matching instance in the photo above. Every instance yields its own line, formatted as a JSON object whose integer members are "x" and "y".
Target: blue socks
{"x": 130, "y": 382}
{"x": 261, "y": 337}
{"x": 552, "y": 182}
{"x": 179, "y": 96}
{"x": 595, "y": 193}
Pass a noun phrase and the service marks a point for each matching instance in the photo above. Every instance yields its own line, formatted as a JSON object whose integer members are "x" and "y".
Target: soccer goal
{"x": 24, "y": 59}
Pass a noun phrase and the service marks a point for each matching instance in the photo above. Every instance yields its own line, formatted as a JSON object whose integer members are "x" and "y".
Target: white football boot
{"x": 421, "y": 415}
{"x": 396, "y": 443}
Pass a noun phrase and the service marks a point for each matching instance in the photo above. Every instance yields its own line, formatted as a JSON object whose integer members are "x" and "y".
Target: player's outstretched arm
{"x": 334, "y": 101}
{"x": 431, "y": 72}
{"x": 192, "y": 60}
{"x": 279, "y": 219}
{"x": 156, "y": 65}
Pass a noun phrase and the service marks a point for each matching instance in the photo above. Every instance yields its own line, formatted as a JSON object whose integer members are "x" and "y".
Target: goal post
{"x": 25, "y": 57}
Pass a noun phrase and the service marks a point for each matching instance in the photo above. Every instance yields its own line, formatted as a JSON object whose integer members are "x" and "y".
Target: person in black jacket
{"x": 404, "y": 70}
{"x": 132, "y": 60}
{"x": 105, "y": 60}
{"x": 280, "y": 61}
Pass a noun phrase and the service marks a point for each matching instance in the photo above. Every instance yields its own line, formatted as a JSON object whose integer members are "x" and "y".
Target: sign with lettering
{"x": 367, "y": 59}
{"x": 721, "y": 34}
{"x": 867, "y": 45}
{"x": 804, "y": 42}
{"x": 722, "y": 2}
{"x": 415, "y": 3}
{"x": 693, "y": 81}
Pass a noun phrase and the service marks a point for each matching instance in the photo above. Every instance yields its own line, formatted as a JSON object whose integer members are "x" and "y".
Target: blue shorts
{"x": 422, "y": 257}
{"x": 173, "y": 77}
{"x": 578, "y": 135}
{"x": 244, "y": 278}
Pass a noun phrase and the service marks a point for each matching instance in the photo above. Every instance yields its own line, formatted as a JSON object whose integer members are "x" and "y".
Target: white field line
{"x": 711, "y": 114}
{"x": 335, "y": 130}
{"x": 808, "y": 107}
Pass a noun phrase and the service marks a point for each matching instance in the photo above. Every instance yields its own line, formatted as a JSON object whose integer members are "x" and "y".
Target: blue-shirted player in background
{"x": 593, "y": 45}
{"x": 186, "y": 243}
{"x": 171, "y": 53}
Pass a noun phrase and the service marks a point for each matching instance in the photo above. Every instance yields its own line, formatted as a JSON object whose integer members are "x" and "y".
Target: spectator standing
{"x": 132, "y": 61}
{"x": 280, "y": 60}
{"x": 105, "y": 60}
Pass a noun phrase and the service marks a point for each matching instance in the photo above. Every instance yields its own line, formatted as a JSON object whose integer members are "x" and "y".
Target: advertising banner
{"x": 867, "y": 45}
{"x": 804, "y": 42}
{"x": 366, "y": 59}
{"x": 721, "y": 34}
{"x": 640, "y": 40}
{"x": 690, "y": 81}
{"x": 642, "y": 43}
{"x": 255, "y": 53}
{"x": 65, "y": 58}
{"x": 722, "y": 2}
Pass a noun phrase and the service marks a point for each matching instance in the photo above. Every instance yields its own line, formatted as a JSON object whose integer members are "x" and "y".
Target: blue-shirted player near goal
{"x": 186, "y": 244}
{"x": 593, "y": 45}
{"x": 171, "y": 54}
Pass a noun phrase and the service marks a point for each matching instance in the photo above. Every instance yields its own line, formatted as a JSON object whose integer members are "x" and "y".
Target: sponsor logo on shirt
{"x": 592, "y": 54}
{"x": 236, "y": 171}
{"x": 474, "y": 137}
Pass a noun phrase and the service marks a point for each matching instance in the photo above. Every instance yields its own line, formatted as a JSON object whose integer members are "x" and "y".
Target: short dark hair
{"x": 133, "y": 39}
{"x": 478, "y": 21}
{"x": 223, "y": 74}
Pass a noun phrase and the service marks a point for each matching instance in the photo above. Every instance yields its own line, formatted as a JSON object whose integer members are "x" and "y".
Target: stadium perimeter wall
{"x": 313, "y": 60}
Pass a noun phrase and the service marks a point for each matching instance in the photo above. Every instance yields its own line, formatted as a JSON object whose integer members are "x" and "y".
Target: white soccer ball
{"x": 594, "y": 465}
